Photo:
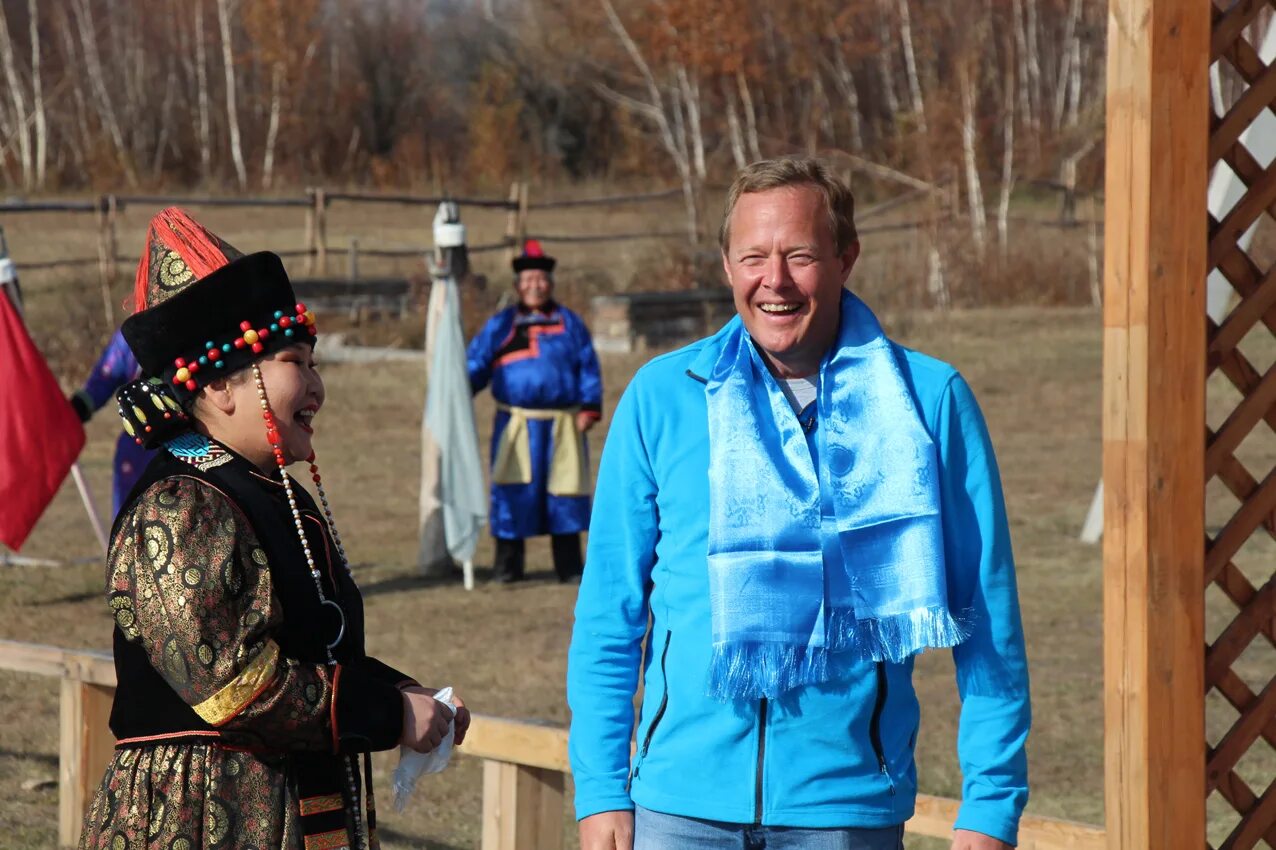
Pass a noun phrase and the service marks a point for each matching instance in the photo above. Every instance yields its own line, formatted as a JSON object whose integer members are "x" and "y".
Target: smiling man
{"x": 787, "y": 513}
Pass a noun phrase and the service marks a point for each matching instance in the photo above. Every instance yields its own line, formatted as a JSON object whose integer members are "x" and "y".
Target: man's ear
{"x": 219, "y": 395}
{"x": 848, "y": 258}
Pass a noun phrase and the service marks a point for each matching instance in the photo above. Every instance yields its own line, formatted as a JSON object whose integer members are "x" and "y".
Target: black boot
{"x": 508, "y": 565}
{"x": 567, "y": 561}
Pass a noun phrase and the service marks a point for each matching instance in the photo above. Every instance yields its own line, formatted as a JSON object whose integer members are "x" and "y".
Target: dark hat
{"x": 203, "y": 320}
{"x": 533, "y": 257}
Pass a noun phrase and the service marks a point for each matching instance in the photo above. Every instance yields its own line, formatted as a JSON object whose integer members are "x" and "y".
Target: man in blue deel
{"x": 540, "y": 361}
{"x": 115, "y": 368}
{"x": 787, "y": 512}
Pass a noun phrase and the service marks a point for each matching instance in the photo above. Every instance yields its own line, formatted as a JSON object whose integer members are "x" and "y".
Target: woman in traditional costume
{"x": 540, "y": 361}
{"x": 246, "y": 704}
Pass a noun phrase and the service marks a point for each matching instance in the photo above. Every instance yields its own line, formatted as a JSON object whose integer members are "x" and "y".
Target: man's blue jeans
{"x": 655, "y": 831}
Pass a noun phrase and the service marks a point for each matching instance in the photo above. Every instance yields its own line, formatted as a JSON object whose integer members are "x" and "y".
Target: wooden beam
{"x": 85, "y": 749}
{"x": 1153, "y": 422}
{"x": 524, "y": 764}
{"x": 934, "y": 817}
{"x": 518, "y": 742}
{"x": 522, "y": 807}
{"x": 84, "y": 664}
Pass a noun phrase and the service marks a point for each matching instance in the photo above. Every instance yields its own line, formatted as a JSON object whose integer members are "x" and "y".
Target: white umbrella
{"x": 452, "y": 473}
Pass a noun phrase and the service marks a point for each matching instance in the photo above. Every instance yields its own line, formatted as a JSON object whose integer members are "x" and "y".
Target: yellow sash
{"x": 568, "y": 475}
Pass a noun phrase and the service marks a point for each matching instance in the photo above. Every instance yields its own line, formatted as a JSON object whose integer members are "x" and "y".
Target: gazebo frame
{"x": 1159, "y": 454}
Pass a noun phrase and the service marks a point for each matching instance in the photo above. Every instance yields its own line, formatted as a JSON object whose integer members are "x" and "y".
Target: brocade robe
{"x": 234, "y": 730}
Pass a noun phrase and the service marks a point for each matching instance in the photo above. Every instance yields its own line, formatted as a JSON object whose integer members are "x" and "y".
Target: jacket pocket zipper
{"x": 875, "y": 725}
{"x": 660, "y": 710}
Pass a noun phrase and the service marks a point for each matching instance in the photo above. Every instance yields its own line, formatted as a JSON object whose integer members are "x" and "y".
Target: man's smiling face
{"x": 786, "y": 275}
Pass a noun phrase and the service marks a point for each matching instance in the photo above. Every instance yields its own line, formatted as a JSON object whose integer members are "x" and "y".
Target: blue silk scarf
{"x": 815, "y": 566}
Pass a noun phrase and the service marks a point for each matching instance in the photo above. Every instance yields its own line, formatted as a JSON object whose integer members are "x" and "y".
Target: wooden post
{"x": 522, "y": 807}
{"x": 321, "y": 230}
{"x": 106, "y": 249}
{"x": 1068, "y": 203}
{"x": 1154, "y": 422}
{"x": 512, "y": 224}
{"x": 312, "y": 240}
{"x": 84, "y": 751}
{"x": 352, "y": 260}
{"x": 523, "y": 200}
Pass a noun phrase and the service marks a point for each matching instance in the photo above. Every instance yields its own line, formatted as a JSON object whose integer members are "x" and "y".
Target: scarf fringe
{"x": 753, "y": 670}
{"x": 899, "y": 636}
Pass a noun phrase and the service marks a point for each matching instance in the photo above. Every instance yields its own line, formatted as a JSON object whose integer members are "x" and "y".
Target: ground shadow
{"x": 392, "y": 840}
{"x": 71, "y": 598}
{"x": 46, "y": 759}
{"x": 482, "y": 577}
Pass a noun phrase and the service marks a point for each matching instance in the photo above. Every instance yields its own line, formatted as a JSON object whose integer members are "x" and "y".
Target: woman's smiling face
{"x": 295, "y": 393}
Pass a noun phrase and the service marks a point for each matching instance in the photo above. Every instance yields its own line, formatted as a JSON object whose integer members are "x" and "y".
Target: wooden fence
{"x": 315, "y": 203}
{"x": 524, "y": 764}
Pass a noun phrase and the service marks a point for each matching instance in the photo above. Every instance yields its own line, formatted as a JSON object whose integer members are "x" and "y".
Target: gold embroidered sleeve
{"x": 188, "y": 582}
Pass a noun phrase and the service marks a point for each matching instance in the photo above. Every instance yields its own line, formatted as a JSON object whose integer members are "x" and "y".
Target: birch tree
{"x": 661, "y": 108}
{"x": 201, "y": 85}
{"x": 37, "y": 97}
{"x": 17, "y": 99}
{"x": 232, "y": 112}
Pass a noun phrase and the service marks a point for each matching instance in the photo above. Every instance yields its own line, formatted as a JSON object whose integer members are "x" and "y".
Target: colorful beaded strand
{"x": 327, "y": 512}
{"x": 272, "y": 436}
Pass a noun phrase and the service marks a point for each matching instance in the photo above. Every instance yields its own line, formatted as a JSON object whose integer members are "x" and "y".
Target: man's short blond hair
{"x": 795, "y": 171}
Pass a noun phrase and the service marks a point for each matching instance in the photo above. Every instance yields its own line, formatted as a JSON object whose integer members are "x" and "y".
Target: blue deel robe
{"x": 115, "y": 368}
{"x": 538, "y": 360}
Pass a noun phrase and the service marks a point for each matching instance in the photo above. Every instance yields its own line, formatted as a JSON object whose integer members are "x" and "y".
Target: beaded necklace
{"x": 272, "y": 436}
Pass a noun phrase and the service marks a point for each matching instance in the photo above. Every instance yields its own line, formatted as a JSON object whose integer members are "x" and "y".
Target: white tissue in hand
{"x": 414, "y": 765}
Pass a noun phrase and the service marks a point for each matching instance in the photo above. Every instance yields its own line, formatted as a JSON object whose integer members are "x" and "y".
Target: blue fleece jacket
{"x": 835, "y": 755}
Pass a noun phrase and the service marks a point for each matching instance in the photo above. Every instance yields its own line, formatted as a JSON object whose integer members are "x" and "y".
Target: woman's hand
{"x": 425, "y": 720}
{"x": 462, "y": 713}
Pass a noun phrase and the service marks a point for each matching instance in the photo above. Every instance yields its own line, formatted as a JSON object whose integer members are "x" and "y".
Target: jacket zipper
{"x": 757, "y": 788}
{"x": 660, "y": 710}
{"x": 875, "y": 724}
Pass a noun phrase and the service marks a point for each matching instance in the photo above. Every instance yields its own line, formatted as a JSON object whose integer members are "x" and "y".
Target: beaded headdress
{"x": 533, "y": 257}
{"x": 205, "y": 311}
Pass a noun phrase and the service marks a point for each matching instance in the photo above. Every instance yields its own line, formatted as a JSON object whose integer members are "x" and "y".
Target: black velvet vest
{"x": 145, "y": 706}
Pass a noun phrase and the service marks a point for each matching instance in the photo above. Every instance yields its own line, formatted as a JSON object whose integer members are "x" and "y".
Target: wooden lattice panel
{"x": 1240, "y": 457}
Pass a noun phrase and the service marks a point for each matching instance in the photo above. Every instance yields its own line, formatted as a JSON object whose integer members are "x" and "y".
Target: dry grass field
{"x": 1036, "y": 372}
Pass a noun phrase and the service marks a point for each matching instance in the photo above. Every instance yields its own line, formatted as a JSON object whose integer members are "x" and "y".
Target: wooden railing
{"x": 524, "y": 765}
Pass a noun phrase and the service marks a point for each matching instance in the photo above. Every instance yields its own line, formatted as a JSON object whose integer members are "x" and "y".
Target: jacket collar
{"x": 702, "y": 364}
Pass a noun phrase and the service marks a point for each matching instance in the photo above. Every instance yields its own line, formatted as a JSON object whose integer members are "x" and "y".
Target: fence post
{"x": 312, "y": 243}
{"x": 321, "y": 230}
{"x": 522, "y": 807}
{"x": 516, "y": 221}
{"x": 106, "y": 248}
{"x": 84, "y": 750}
{"x": 352, "y": 267}
{"x": 1068, "y": 204}
{"x": 523, "y": 193}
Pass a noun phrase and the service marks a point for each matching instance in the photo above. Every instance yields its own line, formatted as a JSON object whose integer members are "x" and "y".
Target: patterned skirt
{"x": 194, "y": 797}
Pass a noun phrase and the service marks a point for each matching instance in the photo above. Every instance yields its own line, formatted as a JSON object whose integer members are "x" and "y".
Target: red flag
{"x": 40, "y": 434}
